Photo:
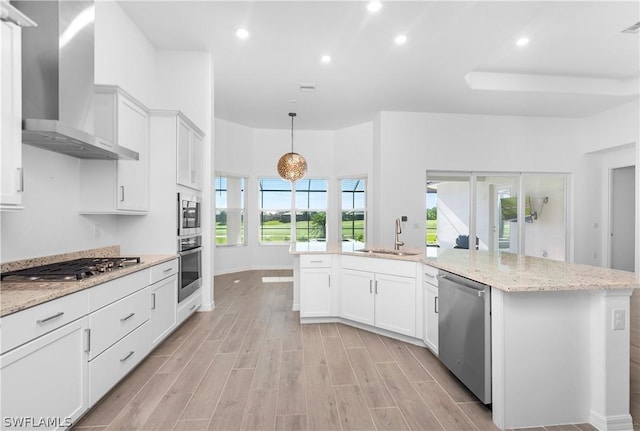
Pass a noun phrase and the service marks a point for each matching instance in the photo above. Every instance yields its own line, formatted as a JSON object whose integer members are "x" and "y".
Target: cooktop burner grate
{"x": 71, "y": 270}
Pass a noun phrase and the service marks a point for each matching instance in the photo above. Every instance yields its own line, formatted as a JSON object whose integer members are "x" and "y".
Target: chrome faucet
{"x": 398, "y": 231}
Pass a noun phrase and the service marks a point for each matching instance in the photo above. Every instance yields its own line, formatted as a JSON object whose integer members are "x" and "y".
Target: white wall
{"x": 254, "y": 153}
{"x": 412, "y": 143}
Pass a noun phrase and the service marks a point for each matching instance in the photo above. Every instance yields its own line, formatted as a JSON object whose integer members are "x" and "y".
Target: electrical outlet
{"x": 618, "y": 320}
{"x": 404, "y": 218}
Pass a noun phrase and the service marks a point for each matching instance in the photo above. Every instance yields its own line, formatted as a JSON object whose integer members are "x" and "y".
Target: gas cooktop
{"x": 70, "y": 270}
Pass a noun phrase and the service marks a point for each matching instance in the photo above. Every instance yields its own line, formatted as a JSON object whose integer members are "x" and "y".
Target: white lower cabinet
{"x": 44, "y": 380}
{"x": 382, "y": 300}
{"x": 189, "y": 305}
{"x": 164, "y": 298}
{"x": 315, "y": 286}
{"x": 115, "y": 362}
{"x": 430, "y": 286}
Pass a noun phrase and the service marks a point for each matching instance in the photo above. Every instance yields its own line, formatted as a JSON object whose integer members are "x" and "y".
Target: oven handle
{"x": 190, "y": 251}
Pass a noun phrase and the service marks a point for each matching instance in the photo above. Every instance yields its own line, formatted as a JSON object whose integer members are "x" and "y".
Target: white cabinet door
{"x": 189, "y": 154}
{"x": 196, "y": 161}
{"x": 184, "y": 153}
{"x": 356, "y": 296}
{"x": 11, "y": 125}
{"x": 164, "y": 302}
{"x": 395, "y": 299}
{"x": 47, "y": 378}
{"x": 315, "y": 292}
{"x": 133, "y": 175}
{"x": 431, "y": 317}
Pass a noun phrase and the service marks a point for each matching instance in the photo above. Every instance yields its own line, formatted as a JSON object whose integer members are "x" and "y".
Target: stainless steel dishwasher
{"x": 464, "y": 331}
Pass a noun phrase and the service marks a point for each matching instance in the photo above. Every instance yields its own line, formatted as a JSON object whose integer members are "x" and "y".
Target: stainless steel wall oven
{"x": 190, "y": 252}
{"x": 189, "y": 211}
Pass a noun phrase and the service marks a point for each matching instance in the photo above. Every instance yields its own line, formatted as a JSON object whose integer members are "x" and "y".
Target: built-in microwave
{"x": 189, "y": 215}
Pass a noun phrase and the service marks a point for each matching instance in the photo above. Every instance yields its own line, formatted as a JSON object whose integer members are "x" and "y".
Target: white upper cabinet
{"x": 189, "y": 153}
{"x": 121, "y": 186}
{"x": 11, "y": 183}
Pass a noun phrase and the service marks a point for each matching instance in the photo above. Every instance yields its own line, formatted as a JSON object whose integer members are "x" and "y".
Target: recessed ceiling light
{"x": 400, "y": 39}
{"x": 374, "y": 6}
{"x": 326, "y": 59}
{"x": 242, "y": 33}
{"x": 523, "y": 41}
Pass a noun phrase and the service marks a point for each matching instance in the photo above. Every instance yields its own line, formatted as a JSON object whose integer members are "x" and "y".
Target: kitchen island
{"x": 559, "y": 334}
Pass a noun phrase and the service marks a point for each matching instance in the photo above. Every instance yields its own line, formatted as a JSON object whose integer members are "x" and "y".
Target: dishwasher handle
{"x": 464, "y": 284}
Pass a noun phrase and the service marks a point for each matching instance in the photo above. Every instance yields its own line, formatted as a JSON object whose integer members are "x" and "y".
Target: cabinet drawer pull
{"x": 127, "y": 317}
{"x": 153, "y": 298}
{"x": 128, "y": 356}
{"x": 435, "y": 305}
{"x": 315, "y": 261}
{"x": 192, "y": 307}
{"x": 45, "y": 320}
{"x": 167, "y": 270}
{"x": 21, "y": 180}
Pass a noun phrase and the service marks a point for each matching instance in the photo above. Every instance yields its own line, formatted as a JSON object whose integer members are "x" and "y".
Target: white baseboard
{"x": 611, "y": 423}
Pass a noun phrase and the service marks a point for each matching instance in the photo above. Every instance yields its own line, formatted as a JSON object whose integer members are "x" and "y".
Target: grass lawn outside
{"x": 276, "y": 231}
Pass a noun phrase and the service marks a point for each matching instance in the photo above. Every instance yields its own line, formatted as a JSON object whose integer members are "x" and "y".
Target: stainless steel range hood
{"x": 58, "y": 81}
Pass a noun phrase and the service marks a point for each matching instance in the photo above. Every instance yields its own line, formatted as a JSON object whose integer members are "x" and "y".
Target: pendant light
{"x": 292, "y": 166}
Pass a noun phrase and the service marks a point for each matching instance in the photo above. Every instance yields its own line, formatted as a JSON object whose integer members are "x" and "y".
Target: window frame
{"x": 242, "y": 210}
{"x": 364, "y": 180}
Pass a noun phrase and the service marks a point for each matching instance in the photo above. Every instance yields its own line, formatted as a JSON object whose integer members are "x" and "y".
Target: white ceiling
{"x": 578, "y": 61}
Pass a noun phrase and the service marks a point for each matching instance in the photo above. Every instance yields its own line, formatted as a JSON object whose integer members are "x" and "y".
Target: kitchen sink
{"x": 387, "y": 251}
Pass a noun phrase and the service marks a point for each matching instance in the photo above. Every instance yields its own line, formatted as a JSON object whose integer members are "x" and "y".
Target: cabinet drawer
{"x": 108, "y": 368}
{"x": 189, "y": 305}
{"x": 430, "y": 275}
{"x": 106, "y": 293}
{"x": 163, "y": 270}
{"x": 111, "y": 323}
{"x": 315, "y": 261}
{"x": 380, "y": 265}
{"x": 25, "y": 325}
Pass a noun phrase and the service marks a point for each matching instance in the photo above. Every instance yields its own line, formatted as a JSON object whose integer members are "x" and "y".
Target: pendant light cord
{"x": 292, "y": 115}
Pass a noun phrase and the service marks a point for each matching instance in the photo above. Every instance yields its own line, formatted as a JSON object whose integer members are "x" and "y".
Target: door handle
{"x": 435, "y": 305}
{"x": 122, "y": 193}
{"x": 370, "y": 286}
{"x": 153, "y": 298}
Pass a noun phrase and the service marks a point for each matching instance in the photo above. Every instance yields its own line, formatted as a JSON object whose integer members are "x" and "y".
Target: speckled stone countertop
{"x": 16, "y": 296}
{"x": 355, "y": 249}
{"x": 504, "y": 271}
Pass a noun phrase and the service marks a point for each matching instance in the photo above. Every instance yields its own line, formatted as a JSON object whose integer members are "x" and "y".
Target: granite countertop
{"x": 16, "y": 296}
{"x": 355, "y": 249}
{"x": 505, "y": 271}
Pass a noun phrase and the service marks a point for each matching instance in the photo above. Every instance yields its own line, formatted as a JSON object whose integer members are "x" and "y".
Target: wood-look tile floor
{"x": 250, "y": 365}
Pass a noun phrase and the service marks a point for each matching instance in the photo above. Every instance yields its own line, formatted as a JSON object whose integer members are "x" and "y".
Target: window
{"x": 311, "y": 210}
{"x": 229, "y": 198}
{"x": 353, "y": 206}
{"x": 275, "y": 210}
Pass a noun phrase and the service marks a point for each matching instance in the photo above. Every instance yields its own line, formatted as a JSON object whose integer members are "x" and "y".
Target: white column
{"x": 610, "y": 357}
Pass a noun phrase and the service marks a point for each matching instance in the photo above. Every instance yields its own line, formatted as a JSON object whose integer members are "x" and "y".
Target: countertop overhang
{"x": 505, "y": 271}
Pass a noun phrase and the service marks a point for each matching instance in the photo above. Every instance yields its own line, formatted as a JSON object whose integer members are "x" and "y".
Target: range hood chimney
{"x": 58, "y": 81}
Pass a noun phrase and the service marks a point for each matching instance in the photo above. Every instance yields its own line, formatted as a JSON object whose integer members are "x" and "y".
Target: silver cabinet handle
{"x": 168, "y": 270}
{"x": 128, "y": 356}
{"x": 315, "y": 261}
{"x": 192, "y": 307}
{"x": 127, "y": 317}
{"x": 122, "y": 192}
{"x": 329, "y": 275}
{"x": 435, "y": 305}
{"x": 88, "y": 332}
{"x": 376, "y": 289}
{"x": 46, "y": 319}
{"x": 21, "y": 180}
{"x": 153, "y": 298}
{"x": 370, "y": 286}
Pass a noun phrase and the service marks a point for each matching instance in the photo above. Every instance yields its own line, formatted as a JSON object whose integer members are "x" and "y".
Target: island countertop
{"x": 505, "y": 271}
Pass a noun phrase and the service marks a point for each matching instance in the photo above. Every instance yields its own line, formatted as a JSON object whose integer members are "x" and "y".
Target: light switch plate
{"x": 618, "y": 320}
